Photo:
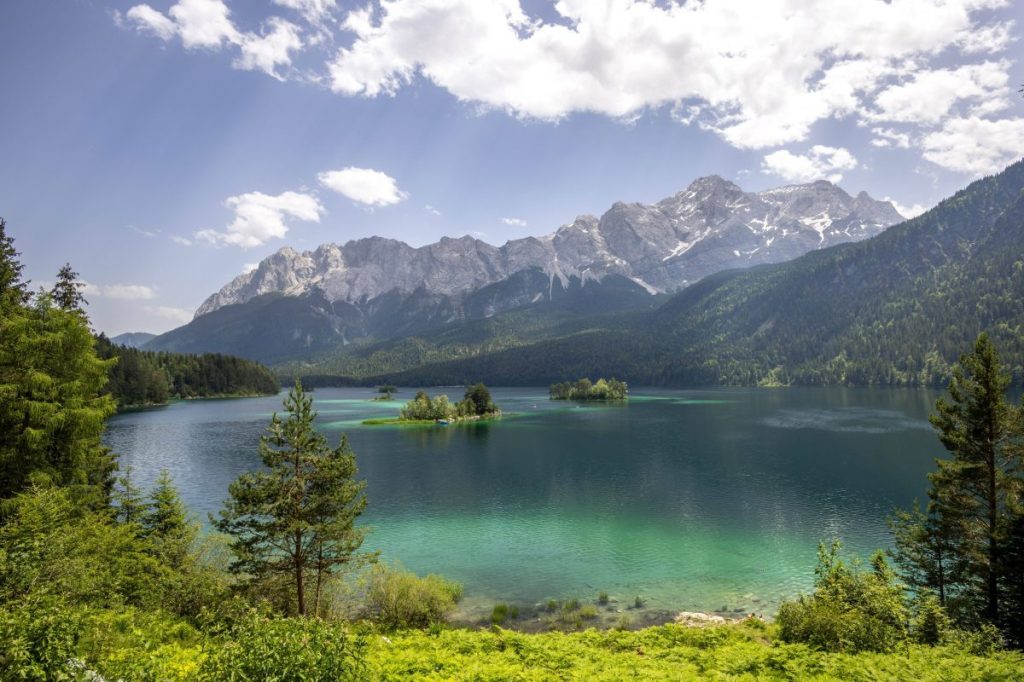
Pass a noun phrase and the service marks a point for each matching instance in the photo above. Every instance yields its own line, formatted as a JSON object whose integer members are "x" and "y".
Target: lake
{"x": 709, "y": 500}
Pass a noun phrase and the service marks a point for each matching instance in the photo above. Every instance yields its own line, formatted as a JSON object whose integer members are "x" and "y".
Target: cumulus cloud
{"x": 759, "y": 73}
{"x": 176, "y": 315}
{"x": 270, "y": 50}
{"x": 261, "y": 217}
{"x": 363, "y": 185}
{"x": 820, "y": 162}
{"x": 313, "y": 11}
{"x": 123, "y": 292}
{"x": 207, "y": 24}
{"x": 515, "y": 222}
{"x": 975, "y": 145}
{"x": 928, "y": 96}
{"x": 911, "y": 211}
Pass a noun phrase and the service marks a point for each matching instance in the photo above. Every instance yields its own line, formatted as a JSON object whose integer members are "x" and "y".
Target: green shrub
{"x": 399, "y": 599}
{"x": 850, "y": 610}
{"x": 638, "y": 603}
{"x": 503, "y": 612}
{"x": 285, "y": 650}
{"x": 552, "y": 605}
{"x": 930, "y": 624}
{"x": 602, "y": 598}
{"x": 37, "y": 639}
{"x": 588, "y": 612}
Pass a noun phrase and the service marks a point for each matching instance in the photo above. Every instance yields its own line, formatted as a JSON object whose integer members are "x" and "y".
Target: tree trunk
{"x": 300, "y": 588}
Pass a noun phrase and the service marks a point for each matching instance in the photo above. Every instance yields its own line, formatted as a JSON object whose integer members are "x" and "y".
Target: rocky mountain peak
{"x": 711, "y": 225}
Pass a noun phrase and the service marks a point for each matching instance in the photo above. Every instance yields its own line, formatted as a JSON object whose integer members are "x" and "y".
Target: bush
{"x": 285, "y": 650}
{"x": 37, "y": 640}
{"x": 503, "y": 612}
{"x": 602, "y": 598}
{"x": 930, "y": 624}
{"x": 851, "y": 610}
{"x": 400, "y": 599}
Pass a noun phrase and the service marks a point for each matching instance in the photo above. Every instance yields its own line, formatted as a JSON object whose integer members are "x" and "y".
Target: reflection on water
{"x": 693, "y": 499}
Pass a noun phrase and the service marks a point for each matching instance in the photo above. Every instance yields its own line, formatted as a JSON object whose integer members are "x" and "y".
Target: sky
{"x": 164, "y": 148}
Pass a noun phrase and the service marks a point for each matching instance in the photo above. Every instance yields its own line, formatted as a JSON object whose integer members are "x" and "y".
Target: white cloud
{"x": 271, "y": 50}
{"x": 261, "y": 217}
{"x": 820, "y": 162}
{"x": 147, "y": 19}
{"x": 928, "y": 96}
{"x": 975, "y": 145}
{"x": 515, "y": 222}
{"x": 178, "y": 239}
{"x": 123, "y": 292}
{"x": 908, "y": 212}
{"x": 987, "y": 39}
{"x": 206, "y": 24}
{"x": 759, "y": 73}
{"x": 249, "y": 267}
{"x": 886, "y": 137}
{"x": 313, "y": 11}
{"x": 363, "y": 185}
{"x": 176, "y": 315}
{"x": 431, "y": 210}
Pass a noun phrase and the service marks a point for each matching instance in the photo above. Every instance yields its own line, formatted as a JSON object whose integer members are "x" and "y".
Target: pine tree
{"x": 13, "y": 291}
{"x": 129, "y": 504}
{"x": 297, "y": 518}
{"x": 974, "y": 488}
{"x": 165, "y": 522}
{"x": 67, "y": 291}
{"x": 51, "y": 411}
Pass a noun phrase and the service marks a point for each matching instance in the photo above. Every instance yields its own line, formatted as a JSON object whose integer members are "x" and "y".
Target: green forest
{"x": 142, "y": 378}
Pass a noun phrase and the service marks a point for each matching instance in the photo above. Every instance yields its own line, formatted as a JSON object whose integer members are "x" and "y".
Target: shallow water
{"x": 710, "y": 500}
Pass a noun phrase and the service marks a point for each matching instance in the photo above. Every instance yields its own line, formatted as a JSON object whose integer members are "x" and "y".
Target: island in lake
{"x": 610, "y": 389}
{"x": 476, "y": 404}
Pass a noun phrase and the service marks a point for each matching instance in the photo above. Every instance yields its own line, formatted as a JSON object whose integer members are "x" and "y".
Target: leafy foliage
{"x": 611, "y": 389}
{"x": 396, "y": 598}
{"x": 850, "y": 610}
{"x": 477, "y": 402}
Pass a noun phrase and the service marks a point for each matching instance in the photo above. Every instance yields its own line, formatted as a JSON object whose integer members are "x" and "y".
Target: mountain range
{"x": 895, "y": 309}
{"x": 302, "y": 306}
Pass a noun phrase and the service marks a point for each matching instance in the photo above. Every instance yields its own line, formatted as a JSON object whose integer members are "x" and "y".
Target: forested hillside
{"x": 892, "y": 310}
{"x": 152, "y": 378}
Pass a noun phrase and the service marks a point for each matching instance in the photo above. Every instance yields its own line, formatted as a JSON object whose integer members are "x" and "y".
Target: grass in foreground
{"x": 747, "y": 651}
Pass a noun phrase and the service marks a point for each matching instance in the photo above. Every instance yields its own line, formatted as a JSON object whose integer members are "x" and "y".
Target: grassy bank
{"x": 138, "y": 647}
{"x": 745, "y": 651}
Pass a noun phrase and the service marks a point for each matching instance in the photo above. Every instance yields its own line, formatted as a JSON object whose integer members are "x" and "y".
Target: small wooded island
{"x": 611, "y": 389}
{"x": 476, "y": 404}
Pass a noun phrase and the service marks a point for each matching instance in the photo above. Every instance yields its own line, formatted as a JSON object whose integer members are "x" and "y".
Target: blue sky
{"x": 163, "y": 147}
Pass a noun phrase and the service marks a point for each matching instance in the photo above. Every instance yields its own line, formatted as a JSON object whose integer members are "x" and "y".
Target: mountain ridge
{"x": 662, "y": 247}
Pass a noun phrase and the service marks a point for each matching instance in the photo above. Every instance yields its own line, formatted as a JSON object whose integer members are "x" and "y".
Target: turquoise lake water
{"x": 710, "y": 500}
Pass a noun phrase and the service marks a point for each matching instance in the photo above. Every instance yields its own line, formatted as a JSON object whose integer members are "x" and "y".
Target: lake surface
{"x": 710, "y": 500}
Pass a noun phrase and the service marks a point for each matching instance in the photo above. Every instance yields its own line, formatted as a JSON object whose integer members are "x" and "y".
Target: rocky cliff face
{"x": 710, "y": 226}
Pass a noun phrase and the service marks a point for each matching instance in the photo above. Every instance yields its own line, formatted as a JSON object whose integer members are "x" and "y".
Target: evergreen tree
{"x": 67, "y": 291}
{"x": 13, "y": 291}
{"x": 51, "y": 413}
{"x": 129, "y": 504}
{"x": 165, "y": 522}
{"x": 1013, "y": 581}
{"x": 296, "y": 518}
{"x": 980, "y": 428}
